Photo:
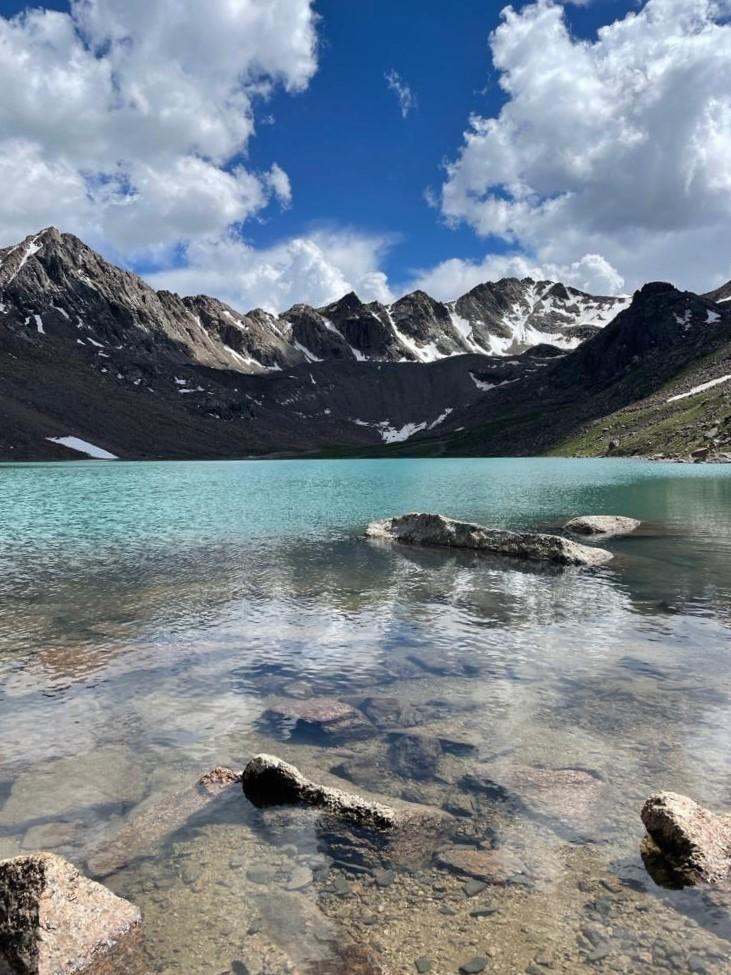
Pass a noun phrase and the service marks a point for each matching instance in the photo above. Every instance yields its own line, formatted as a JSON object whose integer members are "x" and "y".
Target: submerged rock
{"x": 325, "y": 719}
{"x": 393, "y": 712}
{"x": 414, "y": 756}
{"x": 157, "y": 817}
{"x": 695, "y": 842}
{"x": 569, "y": 796}
{"x": 364, "y": 828}
{"x": 55, "y": 921}
{"x": 493, "y": 866}
{"x": 218, "y": 778}
{"x": 605, "y": 525}
{"x": 437, "y": 530}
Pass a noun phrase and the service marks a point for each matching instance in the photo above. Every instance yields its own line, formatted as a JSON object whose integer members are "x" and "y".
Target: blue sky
{"x": 351, "y": 155}
{"x": 129, "y": 124}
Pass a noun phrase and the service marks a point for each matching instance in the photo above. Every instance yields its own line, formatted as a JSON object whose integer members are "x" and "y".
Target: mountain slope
{"x": 90, "y": 353}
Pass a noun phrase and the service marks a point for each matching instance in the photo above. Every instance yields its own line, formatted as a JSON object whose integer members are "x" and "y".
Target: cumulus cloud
{"x": 455, "y": 277}
{"x": 128, "y": 122}
{"x": 406, "y": 97}
{"x": 616, "y": 147}
{"x": 316, "y": 269}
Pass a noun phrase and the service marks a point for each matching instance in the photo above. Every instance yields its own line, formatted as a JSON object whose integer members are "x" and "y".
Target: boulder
{"x": 437, "y": 530}
{"x": 402, "y": 832}
{"x": 324, "y": 719}
{"x": 54, "y": 921}
{"x": 268, "y": 781}
{"x": 695, "y": 842}
{"x": 605, "y": 525}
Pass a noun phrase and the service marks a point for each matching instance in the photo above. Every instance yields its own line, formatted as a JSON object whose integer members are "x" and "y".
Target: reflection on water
{"x": 152, "y": 612}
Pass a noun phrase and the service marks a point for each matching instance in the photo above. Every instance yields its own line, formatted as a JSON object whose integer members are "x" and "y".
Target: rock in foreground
{"x": 437, "y": 530}
{"x": 54, "y": 921}
{"x": 606, "y": 525}
{"x": 268, "y": 781}
{"x": 694, "y": 841}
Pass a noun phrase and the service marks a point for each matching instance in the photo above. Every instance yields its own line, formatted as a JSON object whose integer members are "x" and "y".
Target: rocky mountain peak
{"x": 52, "y": 284}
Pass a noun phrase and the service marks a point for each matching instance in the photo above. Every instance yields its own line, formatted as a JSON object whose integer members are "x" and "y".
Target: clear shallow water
{"x": 152, "y": 612}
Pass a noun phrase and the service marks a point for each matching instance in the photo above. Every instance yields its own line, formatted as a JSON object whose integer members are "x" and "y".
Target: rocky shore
{"x": 371, "y": 863}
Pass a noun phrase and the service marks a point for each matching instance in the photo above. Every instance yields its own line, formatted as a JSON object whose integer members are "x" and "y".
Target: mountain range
{"x": 96, "y": 362}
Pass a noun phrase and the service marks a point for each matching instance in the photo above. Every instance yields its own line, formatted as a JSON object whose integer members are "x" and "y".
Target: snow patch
{"x": 30, "y": 250}
{"x": 247, "y": 360}
{"x": 310, "y": 356}
{"x": 39, "y": 325}
{"x": 83, "y": 447}
{"x": 394, "y": 435}
{"x": 700, "y": 389}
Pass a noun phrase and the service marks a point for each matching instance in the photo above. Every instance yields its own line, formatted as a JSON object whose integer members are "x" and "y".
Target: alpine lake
{"x": 156, "y": 615}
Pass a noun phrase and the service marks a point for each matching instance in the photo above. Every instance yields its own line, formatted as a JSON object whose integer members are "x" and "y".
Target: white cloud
{"x": 406, "y": 97}
{"x": 455, "y": 277}
{"x": 316, "y": 269}
{"x": 617, "y": 147}
{"x": 127, "y": 122}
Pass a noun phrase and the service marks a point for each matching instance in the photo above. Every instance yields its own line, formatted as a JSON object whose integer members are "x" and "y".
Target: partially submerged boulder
{"x": 55, "y": 921}
{"x": 268, "y": 781}
{"x": 325, "y": 719}
{"x": 402, "y": 832}
{"x": 437, "y": 530}
{"x": 604, "y": 525}
{"x": 695, "y": 842}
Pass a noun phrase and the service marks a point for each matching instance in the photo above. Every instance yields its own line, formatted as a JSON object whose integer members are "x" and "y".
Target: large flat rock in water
{"x": 55, "y": 921}
{"x": 437, "y": 530}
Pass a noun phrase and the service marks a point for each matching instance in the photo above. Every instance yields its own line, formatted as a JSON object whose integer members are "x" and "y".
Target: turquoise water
{"x": 151, "y": 613}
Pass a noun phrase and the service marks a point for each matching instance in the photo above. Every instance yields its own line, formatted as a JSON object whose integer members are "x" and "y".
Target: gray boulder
{"x": 694, "y": 841}
{"x": 54, "y": 921}
{"x": 437, "y": 530}
{"x": 605, "y": 525}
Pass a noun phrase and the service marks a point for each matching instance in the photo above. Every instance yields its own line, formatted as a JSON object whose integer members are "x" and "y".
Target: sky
{"x": 275, "y": 151}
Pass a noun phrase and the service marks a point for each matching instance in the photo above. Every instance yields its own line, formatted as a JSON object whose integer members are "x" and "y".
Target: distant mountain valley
{"x": 97, "y": 363}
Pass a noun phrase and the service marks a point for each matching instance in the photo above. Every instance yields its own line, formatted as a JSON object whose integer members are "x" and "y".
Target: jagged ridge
{"x": 52, "y": 283}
